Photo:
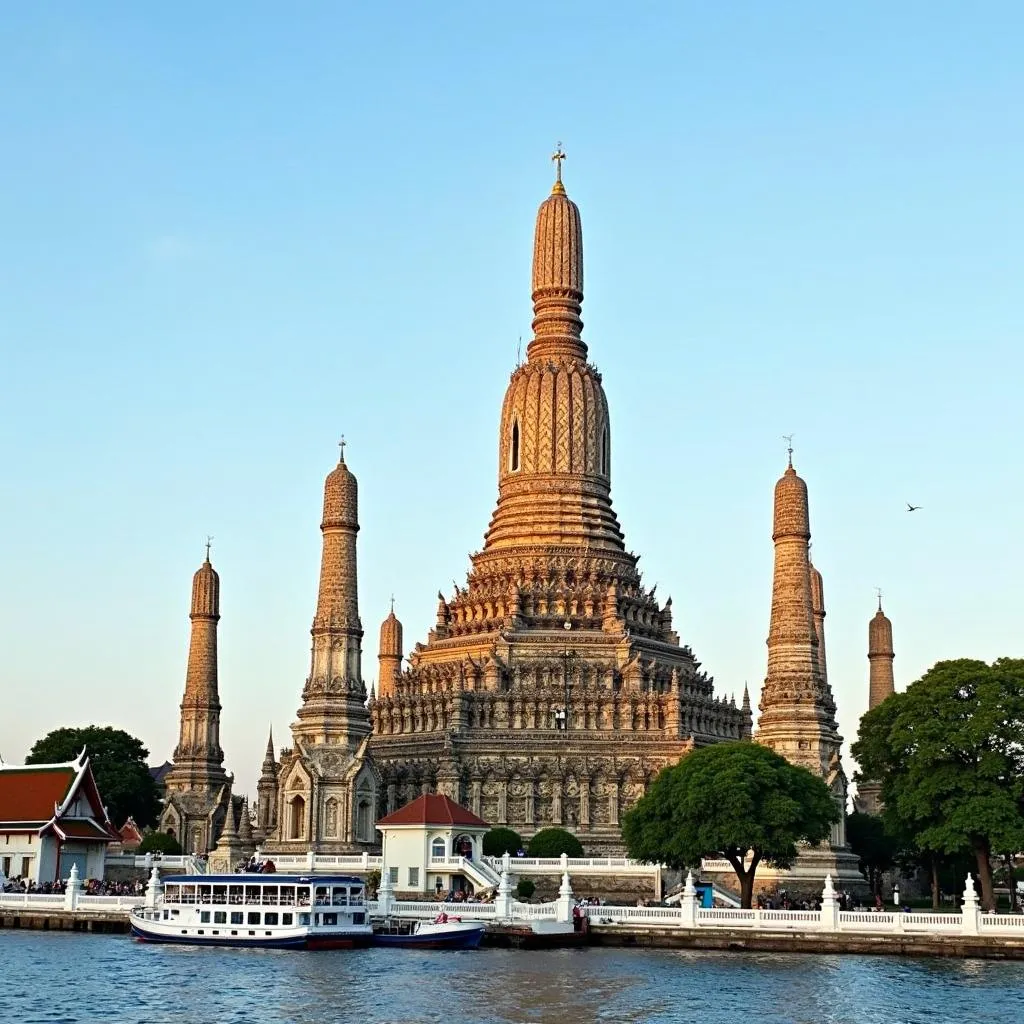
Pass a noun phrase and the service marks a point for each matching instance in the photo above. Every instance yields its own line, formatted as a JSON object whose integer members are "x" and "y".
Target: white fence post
{"x": 385, "y": 894}
{"x": 311, "y": 859}
{"x": 829, "y": 907}
{"x": 72, "y": 889}
{"x": 970, "y": 908}
{"x": 564, "y": 904}
{"x": 503, "y": 900}
{"x": 688, "y": 904}
{"x": 153, "y": 889}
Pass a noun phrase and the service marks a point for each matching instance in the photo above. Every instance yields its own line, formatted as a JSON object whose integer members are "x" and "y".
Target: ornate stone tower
{"x": 553, "y": 685}
{"x": 389, "y": 657}
{"x": 880, "y": 686}
{"x": 798, "y": 712}
{"x": 880, "y": 658}
{"x": 333, "y": 711}
{"x": 197, "y": 786}
{"x": 326, "y": 787}
{"x": 266, "y": 792}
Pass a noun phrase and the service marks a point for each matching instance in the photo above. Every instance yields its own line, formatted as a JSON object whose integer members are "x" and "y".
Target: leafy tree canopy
{"x": 525, "y": 888}
{"x": 876, "y": 847}
{"x": 727, "y": 800}
{"x": 553, "y": 842}
{"x": 501, "y": 840}
{"x": 949, "y": 756}
{"x": 118, "y": 762}
{"x": 160, "y": 842}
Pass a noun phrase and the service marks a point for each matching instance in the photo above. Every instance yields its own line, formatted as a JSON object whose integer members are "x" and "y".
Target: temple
{"x": 553, "y": 685}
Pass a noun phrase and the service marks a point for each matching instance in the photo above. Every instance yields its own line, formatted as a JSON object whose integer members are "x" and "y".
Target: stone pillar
{"x": 829, "y": 907}
{"x": 385, "y": 893}
{"x": 476, "y": 789}
{"x": 613, "y": 801}
{"x": 72, "y": 889}
{"x": 970, "y": 908}
{"x": 565, "y": 901}
{"x": 503, "y": 900}
{"x": 556, "y": 801}
{"x": 585, "y": 802}
{"x": 688, "y": 904}
{"x": 503, "y": 802}
{"x": 153, "y": 889}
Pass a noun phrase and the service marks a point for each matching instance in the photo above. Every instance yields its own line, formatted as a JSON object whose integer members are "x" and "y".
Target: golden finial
{"x": 558, "y": 189}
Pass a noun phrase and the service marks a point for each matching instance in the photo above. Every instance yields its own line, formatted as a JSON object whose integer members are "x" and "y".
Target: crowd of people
{"x": 90, "y": 887}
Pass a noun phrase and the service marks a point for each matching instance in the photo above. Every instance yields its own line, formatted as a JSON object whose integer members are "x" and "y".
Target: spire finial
{"x": 788, "y": 438}
{"x": 558, "y": 156}
{"x": 341, "y": 448}
{"x": 878, "y": 590}
{"x": 209, "y": 541}
{"x": 392, "y": 604}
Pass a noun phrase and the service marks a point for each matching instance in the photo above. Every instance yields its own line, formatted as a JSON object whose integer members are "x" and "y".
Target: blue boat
{"x": 441, "y": 933}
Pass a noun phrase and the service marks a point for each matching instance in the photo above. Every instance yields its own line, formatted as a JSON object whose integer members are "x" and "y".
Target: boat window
{"x": 237, "y": 917}
{"x": 166, "y": 915}
{"x": 235, "y": 893}
{"x": 358, "y": 918}
{"x": 286, "y": 918}
{"x": 254, "y": 917}
{"x": 288, "y": 895}
{"x": 303, "y": 918}
{"x": 172, "y": 893}
{"x": 321, "y": 895}
{"x": 202, "y": 931}
{"x": 220, "y": 917}
{"x": 317, "y": 918}
{"x": 270, "y": 918}
{"x": 330, "y": 918}
{"x": 188, "y": 893}
{"x": 339, "y": 897}
{"x": 252, "y": 894}
{"x": 204, "y": 917}
{"x": 270, "y": 895}
{"x": 303, "y": 895}
{"x": 220, "y": 894}
{"x": 205, "y": 894}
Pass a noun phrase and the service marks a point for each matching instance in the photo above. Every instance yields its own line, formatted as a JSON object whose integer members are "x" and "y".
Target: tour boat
{"x": 442, "y": 933}
{"x": 261, "y": 911}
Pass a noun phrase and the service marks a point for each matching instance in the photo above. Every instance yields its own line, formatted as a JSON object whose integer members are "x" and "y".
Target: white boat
{"x": 263, "y": 911}
{"x": 444, "y": 932}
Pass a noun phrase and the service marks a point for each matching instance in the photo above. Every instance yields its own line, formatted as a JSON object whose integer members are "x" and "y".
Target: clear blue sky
{"x": 230, "y": 233}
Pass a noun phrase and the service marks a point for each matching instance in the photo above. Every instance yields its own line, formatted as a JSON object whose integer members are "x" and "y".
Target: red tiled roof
{"x": 78, "y": 829}
{"x": 129, "y": 833}
{"x": 433, "y": 809}
{"x": 29, "y": 794}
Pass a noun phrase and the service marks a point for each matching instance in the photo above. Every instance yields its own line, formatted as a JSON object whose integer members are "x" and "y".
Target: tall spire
{"x": 818, "y": 610}
{"x": 198, "y": 757}
{"x": 797, "y": 711}
{"x": 266, "y": 791}
{"x": 389, "y": 656}
{"x": 880, "y": 657}
{"x": 554, "y": 472}
{"x": 332, "y": 709}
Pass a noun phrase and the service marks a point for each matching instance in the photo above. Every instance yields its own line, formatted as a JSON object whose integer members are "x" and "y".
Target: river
{"x": 69, "y": 978}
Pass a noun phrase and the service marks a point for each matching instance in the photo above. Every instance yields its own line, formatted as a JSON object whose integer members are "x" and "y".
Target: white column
{"x": 688, "y": 904}
{"x": 970, "y": 908}
{"x": 310, "y": 859}
{"x": 565, "y": 901}
{"x": 829, "y": 907}
{"x": 385, "y": 894}
{"x": 503, "y": 900}
{"x": 153, "y": 888}
{"x": 72, "y": 889}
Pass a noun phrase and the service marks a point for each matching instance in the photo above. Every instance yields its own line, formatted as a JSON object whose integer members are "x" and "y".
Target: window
{"x": 513, "y": 460}
{"x": 298, "y": 816}
{"x": 358, "y": 918}
{"x": 330, "y": 919}
{"x": 204, "y": 917}
{"x": 437, "y": 848}
{"x": 254, "y": 917}
{"x": 331, "y": 817}
{"x": 286, "y": 919}
{"x": 414, "y": 876}
{"x": 237, "y": 917}
{"x": 270, "y": 918}
{"x": 220, "y": 917}
{"x": 7, "y": 867}
{"x": 393, "y": 876}
{"x": 303, "y": 918}
{"x": 26, "y": 867}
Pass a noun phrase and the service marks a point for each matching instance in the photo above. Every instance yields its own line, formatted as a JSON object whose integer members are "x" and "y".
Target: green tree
{"x": 553, "y": 842}
{"x": 733, "y": 800}
{"x": 160, "y": 842}
{"x": 876, "y": 847}
{"x": 525, "y": 888}
{"x": 501, "y": 840}
{"x": 950, "y": 759}
{"x": 118, "y": 763}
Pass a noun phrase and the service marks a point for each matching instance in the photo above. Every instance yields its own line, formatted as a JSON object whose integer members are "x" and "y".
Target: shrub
{"x": 502, "y": 840}
{"x": 553, "y": 842}
{"x": 160, "y": 842}
{"x": 525, "y": 888}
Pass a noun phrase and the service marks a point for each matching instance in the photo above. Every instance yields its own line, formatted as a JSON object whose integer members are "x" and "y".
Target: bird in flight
{"x": 912, "y": 508}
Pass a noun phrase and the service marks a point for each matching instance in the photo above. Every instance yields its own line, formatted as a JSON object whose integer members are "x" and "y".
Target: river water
{"x": 71, "y": 978}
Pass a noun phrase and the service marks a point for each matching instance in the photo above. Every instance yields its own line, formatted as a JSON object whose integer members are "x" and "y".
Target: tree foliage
{"x": 948, "y": 753}
{"x": 501, "y": 840}
{"x": 525, "y": 888}
{"x": 874, "y": 844}
{"x": 118, "y": 762}
{"x": 553, "y": 842}
{"x": 729, "y": 800}
{"x": 160, "y": 842}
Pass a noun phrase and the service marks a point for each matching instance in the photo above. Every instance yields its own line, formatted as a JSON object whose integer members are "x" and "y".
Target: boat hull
{"x": 461, "y": 938}
{"x": 300, "y": 941}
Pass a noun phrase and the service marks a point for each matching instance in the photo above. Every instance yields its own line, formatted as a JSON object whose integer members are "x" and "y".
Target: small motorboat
{"x": 443, "y": 932}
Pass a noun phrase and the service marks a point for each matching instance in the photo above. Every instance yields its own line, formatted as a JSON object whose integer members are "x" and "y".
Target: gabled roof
{"x": 433, "y": 809}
